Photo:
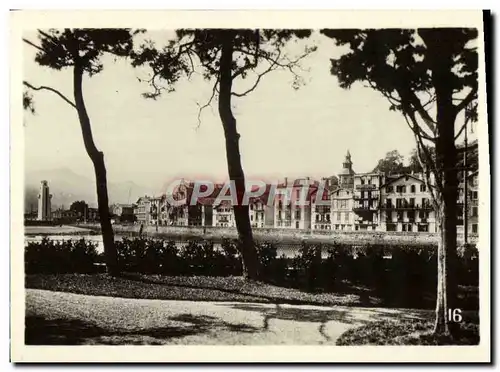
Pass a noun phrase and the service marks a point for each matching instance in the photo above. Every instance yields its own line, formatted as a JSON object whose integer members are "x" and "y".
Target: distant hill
{"x": 66, "y": 186}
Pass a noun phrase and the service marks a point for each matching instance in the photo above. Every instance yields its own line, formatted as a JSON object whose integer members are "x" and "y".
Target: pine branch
{"x": 53, "y": 90}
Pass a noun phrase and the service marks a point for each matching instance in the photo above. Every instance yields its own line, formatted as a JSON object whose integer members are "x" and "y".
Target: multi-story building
{"x": 473, "y": 219}
{"x": 142, "y": 210}
{"x": 44, "y": 202}
{"x": 292, "y": 204}
{"x": 406, "y": 205}
{"x": 321, "y": 209}
{"x": 366, "y": 200}
{"x": 261, "y": 214}
{"x": 223, "y": 214}
{"x": 471, "y": 206}
{"x": 342, "y": 209}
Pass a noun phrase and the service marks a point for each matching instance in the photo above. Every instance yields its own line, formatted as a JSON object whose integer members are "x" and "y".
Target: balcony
{"x": 369, "y": 197}
{"x": 362, "y": 208}
{"x": 405, "y": 206}
{"x": 366, "y": 187}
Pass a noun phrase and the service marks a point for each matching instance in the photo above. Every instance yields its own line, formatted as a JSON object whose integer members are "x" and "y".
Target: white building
{"x": 223, "y": 215}
{"x": 406, "y": 205}
{"x": 292, "y": 204}
{"x": 342, "y": 209}
{"x": 44, "y": 202}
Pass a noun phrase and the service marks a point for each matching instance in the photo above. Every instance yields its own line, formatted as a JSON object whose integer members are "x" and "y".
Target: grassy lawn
{"x": 206, "y": 288}
{"x": 198, "y": 288}
{"x": 414, "y": 332}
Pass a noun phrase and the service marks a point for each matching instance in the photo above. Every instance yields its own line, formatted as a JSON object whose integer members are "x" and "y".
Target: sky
{"x": 284, "y": 133}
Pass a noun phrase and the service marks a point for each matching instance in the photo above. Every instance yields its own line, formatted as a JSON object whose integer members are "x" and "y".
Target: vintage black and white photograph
{"x": 323, "y": 184}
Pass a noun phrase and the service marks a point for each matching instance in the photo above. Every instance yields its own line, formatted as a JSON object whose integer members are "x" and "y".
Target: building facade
{"x": 223, "y": 215}
{"x": 342, "y": 209}
{"x": 406, "y": 205}
{"x": 142, "y": 210}
{"x": 44, "y": 202}
{"x": 321, "y": 209}
{"x": 292, "y": 204}
{"x": 366, "y": 200}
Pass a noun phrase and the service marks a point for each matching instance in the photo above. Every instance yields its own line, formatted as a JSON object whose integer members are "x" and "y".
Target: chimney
{"x": 286, "y": 181}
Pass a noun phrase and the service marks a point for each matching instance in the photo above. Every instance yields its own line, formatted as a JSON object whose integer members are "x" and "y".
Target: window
{"x": 425, "y": 202}
{"x": 390, "y": 189}
{"x": 411, "y": 215}
{"x": 403, "y": 189}
{"x": 338, "y": 216}
{"x": 389, "y": 203}
{"x": 251, "y": 207}
{"x": 474, "y": 211}
{"x": 317, "y": 217}
{"x": 399, "y": 203}
{"x": 346, "y": 217}
{"x": 399, "y": 188}
{"x": 412, "y": 202}
{"x": 474, "y": 228}
{"x": 328, "y": 217}
{"x": 474, "y": 195}
{"x": 423, "y": 228}
{"x": 413, "y": 188}
{"x": 251, "y": 217}
{"x": 297, "y": 224}
{"x": 369, "y": 181}
{"x": 422, "y": 188}
{"x": 362, "y": 181}
{"x": 391, "y": 227}
{"x": 279, "y": 215}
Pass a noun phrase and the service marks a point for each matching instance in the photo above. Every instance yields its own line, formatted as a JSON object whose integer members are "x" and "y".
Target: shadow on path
{"x": 43, "y": 331}
{"x": 341, "y": 315}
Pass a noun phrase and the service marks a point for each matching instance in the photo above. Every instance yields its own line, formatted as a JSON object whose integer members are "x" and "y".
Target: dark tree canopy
{"x": 79, "y": 207}
{"x": 392, "y": 163}
{"x": 257, "y": 51}
{"x": 61, "y": 48}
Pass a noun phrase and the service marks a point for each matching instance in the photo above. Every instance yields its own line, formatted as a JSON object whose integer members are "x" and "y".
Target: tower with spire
{"x": 346, "y": 175}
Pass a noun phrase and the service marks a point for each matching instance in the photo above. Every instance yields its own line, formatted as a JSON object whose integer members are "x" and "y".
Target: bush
{"x": 273, "y": 269}
{"x": 307, "y": 265}
{"x": 52, "y": 257}
{"x": 408, "y": 278}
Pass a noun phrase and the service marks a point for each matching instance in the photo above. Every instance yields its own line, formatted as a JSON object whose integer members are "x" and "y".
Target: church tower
{"x": 346, "y": 176}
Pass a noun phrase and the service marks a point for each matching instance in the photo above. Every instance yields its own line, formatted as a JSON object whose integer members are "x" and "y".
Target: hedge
{"x": 394, "y": 272}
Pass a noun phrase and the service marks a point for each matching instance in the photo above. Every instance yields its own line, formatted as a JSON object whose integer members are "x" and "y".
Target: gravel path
{"x": 66, "y": 318}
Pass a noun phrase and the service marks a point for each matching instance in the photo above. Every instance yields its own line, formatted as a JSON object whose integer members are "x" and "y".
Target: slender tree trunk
{"x": 97, "y": 158}
{"x": 241, "y": 213}
{"x": 441, "y": 58}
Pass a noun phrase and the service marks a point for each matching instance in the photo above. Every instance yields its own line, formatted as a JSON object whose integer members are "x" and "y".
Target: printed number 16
{"x": 455, "y": 315}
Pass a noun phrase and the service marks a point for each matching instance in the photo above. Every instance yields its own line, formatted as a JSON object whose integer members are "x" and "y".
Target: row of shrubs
{"x": 408, "y": 271}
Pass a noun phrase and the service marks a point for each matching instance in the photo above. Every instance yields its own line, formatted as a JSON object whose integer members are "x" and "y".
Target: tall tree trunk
{"x": 439, "y": 44}
{"x": 97, "y": 158}
{"x": 241, "y": 213}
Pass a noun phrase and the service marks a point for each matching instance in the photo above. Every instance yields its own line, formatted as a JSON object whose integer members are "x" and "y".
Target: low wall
{"x": 285, "y": 235}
